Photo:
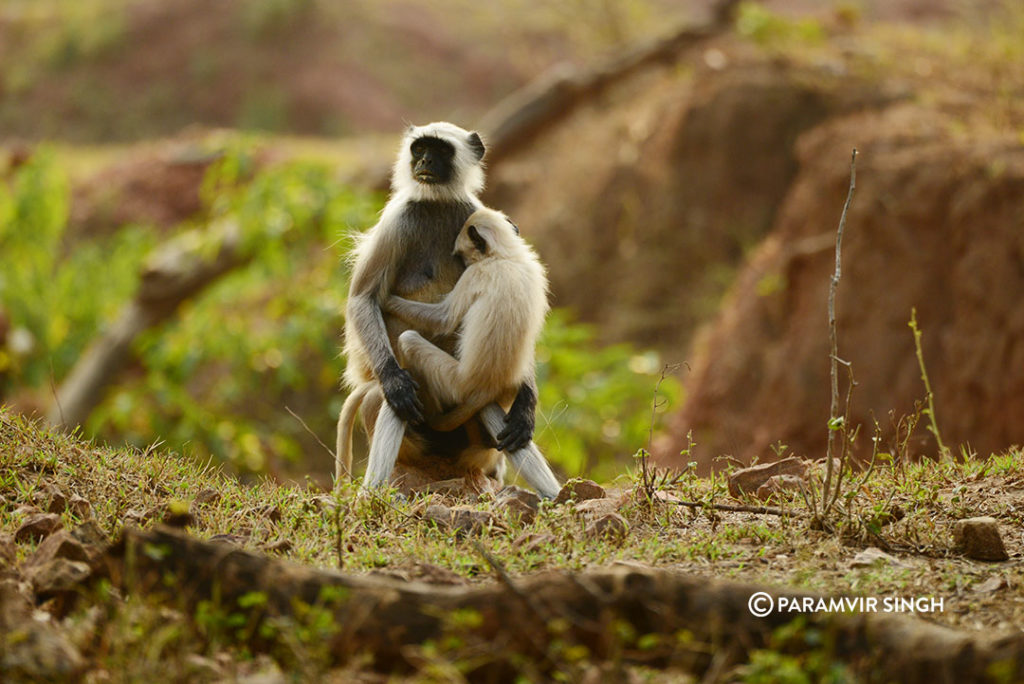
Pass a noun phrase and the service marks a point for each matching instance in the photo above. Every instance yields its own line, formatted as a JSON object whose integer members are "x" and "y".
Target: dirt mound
{"x": 154, "y": 186}
{"x": 937, "y": 224}
{"x": 645, "y": 201}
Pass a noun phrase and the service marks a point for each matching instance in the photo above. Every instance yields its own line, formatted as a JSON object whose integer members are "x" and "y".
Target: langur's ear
{"x": 479, "y": 243}
{"x": 476, "y": 145}
{"x": 513, "y": 224}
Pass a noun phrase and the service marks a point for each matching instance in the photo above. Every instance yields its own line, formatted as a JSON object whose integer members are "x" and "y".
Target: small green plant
{"x": 650, "y": 479}
{"x": 798, "y": 653}
{"x": 933, "y": 425}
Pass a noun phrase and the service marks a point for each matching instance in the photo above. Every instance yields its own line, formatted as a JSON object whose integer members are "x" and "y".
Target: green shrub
{"x": 55, "y": 296}
{"x": 267, "y": 337}
{"x": 595, "y": 402}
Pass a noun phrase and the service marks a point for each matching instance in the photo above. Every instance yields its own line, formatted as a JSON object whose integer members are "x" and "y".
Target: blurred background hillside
{"x": 685, "y": 204}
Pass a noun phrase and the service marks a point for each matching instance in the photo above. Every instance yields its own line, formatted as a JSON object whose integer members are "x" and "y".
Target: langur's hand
{"x": 400, "y": 392}
{"x": 519, "y": 423}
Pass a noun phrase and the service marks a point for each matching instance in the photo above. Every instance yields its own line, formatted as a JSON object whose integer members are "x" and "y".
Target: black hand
{"x": 519, "y": 422}
{"x": 400, "y": 392}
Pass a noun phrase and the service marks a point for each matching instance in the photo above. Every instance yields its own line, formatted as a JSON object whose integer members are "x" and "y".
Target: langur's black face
{"x": 432, "y": 160}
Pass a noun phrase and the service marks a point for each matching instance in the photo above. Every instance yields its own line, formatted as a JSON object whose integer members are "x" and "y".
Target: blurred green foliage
{"x": 217, "y": 381}
{"x": 596, "y": 402}
{"x": 767, "y": 28}
{"x": 262, "y": 339}
{"x": 55, "y": 301}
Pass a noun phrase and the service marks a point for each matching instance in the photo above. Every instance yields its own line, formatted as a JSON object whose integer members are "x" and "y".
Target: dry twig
{"x": 833, "y": 426}
{"x": 738, "y": 508}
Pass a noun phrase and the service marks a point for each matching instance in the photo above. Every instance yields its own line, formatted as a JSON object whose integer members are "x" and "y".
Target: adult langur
{"x": 409, "y": 253}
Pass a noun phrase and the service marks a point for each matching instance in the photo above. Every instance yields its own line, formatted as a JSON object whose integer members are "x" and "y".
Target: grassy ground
{"x": 128, "y": 638}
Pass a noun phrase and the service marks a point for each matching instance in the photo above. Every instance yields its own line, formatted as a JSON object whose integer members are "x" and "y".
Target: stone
{"x": 37, "y": 526}
{"x": 60, "y": 544}
{"x": 979, "y": 539}
{"x": 454, "y": 488}
{"x": 518, "y": 503}
{"x": 992, "y": 584}
{"x": 39, "y": 652}
{"x": 480, "y": 484}
{"x": 462, "y": 520}
{"x": 56, "y": 576}
{"x": 778, "y": 484}
{"x": 580, "y": 490}
{"x": 466, "y": 520}
{"x": 438, "y": 513}
{"x": 90, "y": 534}
{"x": 531, "y": 499}
{"x": 80, "y": 507}
{"x": 748, "y": 480}
{"x": 51, "y": 499}
{"x": 612, "y": 526}
{"x": 517, "y": 511}
{"x": 662, "y": 496}
{"x": 871, "y": 556}
{"x": 207, "y": 496}
{"x": 595, "y": 508}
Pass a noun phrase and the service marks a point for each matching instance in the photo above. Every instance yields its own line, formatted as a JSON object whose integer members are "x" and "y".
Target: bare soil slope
{"x": 937, "y": 223}
{"x": 645, "y": 200}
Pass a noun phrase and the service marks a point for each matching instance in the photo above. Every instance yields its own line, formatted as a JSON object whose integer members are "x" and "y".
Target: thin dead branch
{"x": 526, "y": 112}
{"x": 833, "y": 426}
{"x": 384, "y": 617}
{"x": 551, "y": 97}
{"x": 739, "y": 508}
{"x": 173, "y": 274}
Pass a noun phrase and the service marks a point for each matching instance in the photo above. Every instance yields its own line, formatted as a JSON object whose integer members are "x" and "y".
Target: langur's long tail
{"x": 528, "y": 461}
{"x": 388, "y": 433}
{"x": 346, "y": 426}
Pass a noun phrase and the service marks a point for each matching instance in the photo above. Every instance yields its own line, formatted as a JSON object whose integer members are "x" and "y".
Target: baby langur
{"x": 497, "y": 306}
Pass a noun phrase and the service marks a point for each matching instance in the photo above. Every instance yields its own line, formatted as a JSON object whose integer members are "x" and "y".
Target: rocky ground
{"x": 937, "y": 530}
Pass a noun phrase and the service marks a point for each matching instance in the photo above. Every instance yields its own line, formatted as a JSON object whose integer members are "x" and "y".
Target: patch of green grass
{"x": 968, "y": 65}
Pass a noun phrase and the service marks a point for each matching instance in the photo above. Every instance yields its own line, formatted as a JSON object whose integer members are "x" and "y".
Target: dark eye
{"x": 417, "y": 149}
